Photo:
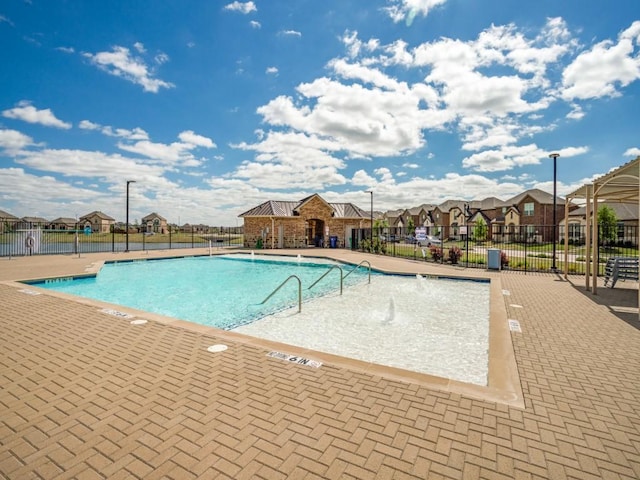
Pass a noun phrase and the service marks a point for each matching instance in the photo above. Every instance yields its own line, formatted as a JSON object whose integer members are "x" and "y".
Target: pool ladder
{"x": 282, "y": 285}
{"x": 342, "y": 277}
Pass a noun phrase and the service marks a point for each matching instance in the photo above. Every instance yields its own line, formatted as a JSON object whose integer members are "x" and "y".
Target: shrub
{"x": 436, "y": 253}
{"x": 454, "y": 254}
{"x": 504, "y": 259}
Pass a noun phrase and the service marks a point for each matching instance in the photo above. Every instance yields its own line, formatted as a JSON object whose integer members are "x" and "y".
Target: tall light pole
{"x": 371, "y": 192}
{"x": 127, "y": 225}
{"x": 555, "y": 159}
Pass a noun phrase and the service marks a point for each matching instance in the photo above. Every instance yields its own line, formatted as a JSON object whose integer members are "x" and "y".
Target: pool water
{"x": 434, "y": 326}
{"x": 219, "y": 291}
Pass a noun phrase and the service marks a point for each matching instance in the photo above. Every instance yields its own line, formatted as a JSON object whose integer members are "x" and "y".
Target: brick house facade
{"x": 311, "y": 221}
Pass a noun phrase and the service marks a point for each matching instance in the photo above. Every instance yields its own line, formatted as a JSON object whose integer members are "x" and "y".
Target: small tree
{"x": 480, "y": 230}
{"x": 411, "y": 227}
{"x": 608, "y": 225}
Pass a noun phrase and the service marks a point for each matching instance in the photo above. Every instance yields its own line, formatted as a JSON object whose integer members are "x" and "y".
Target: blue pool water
{"x": 219, "y": 291}
{"x": 428, "y": 325}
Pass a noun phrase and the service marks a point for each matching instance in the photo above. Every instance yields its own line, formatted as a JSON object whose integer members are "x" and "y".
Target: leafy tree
{"x": 411, "y": 227}
{"x": 608, "y": 225}
{"x": 480, "y": 230}
{"x": 380, "y": 223}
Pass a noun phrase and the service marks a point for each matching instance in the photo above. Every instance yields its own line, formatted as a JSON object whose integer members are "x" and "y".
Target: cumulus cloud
{"x": 599, "y": 71}
{"x": 188, "y": 136}
{"x": 509, "y": 157}
{"x": 632, "y": 152}
{"x": 134, "y": 134}
{"x": 255, "y": 24}
{"x": 12, "y": 141}
{"x": 81, "y": 163}
{"x": 121, "y": 63}
{"x": 400, "y": 10}
{"x": 241, "y": 7}
{"x": 28, "y": 113}
{"x": 272, "y": 70}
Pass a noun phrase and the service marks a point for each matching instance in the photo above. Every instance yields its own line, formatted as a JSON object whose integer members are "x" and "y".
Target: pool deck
{"x": 85, "y": 394}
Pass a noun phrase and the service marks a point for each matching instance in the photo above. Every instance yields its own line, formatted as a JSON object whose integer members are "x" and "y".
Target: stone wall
{"x": 294, "y": 228}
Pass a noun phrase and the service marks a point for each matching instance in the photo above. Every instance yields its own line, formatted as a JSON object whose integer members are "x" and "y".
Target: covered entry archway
{"x": 315, "y": 232}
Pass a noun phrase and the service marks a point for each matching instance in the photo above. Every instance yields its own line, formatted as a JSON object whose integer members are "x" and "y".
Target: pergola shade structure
{"x": 619, "y": 185}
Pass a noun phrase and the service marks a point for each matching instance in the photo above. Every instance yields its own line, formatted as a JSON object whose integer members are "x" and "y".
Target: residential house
{"x": 393, "y": 218}
{"x": 473, "y": 226}
{"x": 27, "y": 223}
{"x": 448, "y": 217}
{"x": 197, "y": 228}
{"x": 310, "y": 221}
{"x": 7, "y": 221}
{"x": 627, "y": 227}
{"x": 420, "y": 216}
{"x": 154, "y": 223}
{"x": 64, "y": 223}
{"x": 97, "y": 221}
{"x": 527, "y": 217}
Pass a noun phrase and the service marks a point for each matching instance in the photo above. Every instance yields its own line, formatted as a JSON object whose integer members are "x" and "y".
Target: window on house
{"x": 531, "y": 231}
{"x": 528, "y": 209}
{"x": 574, "y": 231}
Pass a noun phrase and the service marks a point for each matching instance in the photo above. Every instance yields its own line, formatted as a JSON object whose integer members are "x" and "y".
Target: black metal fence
{"x": 20, "y": 238}
{"x": 528, "y": 248}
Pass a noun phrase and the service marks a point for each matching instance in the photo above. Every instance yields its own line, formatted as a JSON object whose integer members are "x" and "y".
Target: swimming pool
{"x": 433, "y": 326}
{"x": 222, "y": 291}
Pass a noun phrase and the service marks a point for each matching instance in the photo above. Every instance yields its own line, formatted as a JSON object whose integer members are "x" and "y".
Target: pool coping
{"x": 504, "y": 384}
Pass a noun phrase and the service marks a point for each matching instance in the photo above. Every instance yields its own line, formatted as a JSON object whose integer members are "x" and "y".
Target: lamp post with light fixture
{"x": 555, "y": 158}
{"x": 371, "y": 217}
{"x": 127, "y": 222}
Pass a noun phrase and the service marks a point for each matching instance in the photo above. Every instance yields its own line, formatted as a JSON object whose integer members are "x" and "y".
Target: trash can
{"x": 333, "y": 241}
{"x": 493, "y": 259}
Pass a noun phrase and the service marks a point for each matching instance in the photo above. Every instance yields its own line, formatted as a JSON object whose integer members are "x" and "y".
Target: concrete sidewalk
{"x": 86, "y": 394}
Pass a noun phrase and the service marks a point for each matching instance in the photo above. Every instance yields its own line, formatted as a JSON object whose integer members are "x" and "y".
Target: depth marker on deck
{"x": 116, "y": 313}
{"x": 514, "y": 326}
{"x": 29, "y": 292}
{"x": 295, "y": 359}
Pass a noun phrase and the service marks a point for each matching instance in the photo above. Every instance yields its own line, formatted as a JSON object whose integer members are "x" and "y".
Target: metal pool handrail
{"x": 327, "y": 273}
{"x": 282, "y": 285}
{"x": 362, "y": 262}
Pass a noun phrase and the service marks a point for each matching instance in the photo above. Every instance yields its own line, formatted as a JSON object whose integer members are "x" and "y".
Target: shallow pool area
{"x": 434, "y": 326}
{"x": 429, "y": 325}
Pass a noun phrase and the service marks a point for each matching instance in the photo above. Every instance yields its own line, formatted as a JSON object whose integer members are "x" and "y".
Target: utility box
{"x": 493, "y": 259}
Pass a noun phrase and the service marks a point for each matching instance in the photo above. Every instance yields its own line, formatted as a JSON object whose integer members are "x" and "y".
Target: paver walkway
{"x": 84, "y": 394}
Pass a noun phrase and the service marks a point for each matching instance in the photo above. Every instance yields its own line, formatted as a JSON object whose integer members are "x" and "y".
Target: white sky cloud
{"x": 28, "y": 113}
{"x": 188, "y": 136}
{"x": 597, "y": 72}
{"x": 241, "y": 7}
{"x": 12, "y": 141}
{"x": 120, "y": 63}
{"x": 407, "y": 9}
{"x": 291, "y": 33}
{"x": 632, "y": 152}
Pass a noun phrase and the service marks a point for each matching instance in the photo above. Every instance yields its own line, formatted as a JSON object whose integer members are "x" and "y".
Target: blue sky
{"x": 213, "y": 107}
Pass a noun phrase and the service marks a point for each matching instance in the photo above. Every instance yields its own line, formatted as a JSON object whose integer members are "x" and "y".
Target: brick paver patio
{"x": 85, "y": 394}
